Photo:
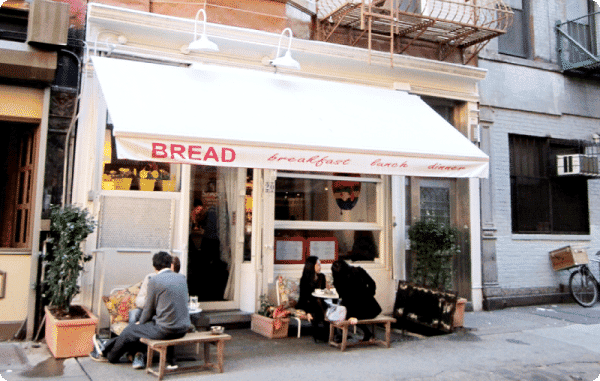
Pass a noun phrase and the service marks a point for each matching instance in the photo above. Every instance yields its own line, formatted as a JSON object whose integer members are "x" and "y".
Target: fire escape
{"x": 578, "y": 47}
{"x": 450, "y": 25}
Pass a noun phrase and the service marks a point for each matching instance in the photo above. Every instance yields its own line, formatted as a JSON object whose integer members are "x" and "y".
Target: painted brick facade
{"x": 531, "y": 97}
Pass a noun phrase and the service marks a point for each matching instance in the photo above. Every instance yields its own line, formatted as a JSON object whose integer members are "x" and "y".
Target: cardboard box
{"x": 567, "y": 257}
{"x": 265, "y": 326}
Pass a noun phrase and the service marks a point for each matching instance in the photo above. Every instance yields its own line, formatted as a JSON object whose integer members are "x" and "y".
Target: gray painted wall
{"x": 531, "y": 97}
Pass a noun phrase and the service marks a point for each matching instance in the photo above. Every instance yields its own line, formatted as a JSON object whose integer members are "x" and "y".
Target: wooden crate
{"x": 265, "y": 326}
{"x": 567, "y": 257}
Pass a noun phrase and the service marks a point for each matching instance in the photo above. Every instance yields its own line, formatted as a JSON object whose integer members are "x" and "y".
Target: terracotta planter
{"x": 123, "y": 184}
{"x": 147, "y": 185}
{"x": 459, "y": 313}
{"x": 168, "y": 185}
{"x": 70, "y": 338}
{"x": 265, "y": 326}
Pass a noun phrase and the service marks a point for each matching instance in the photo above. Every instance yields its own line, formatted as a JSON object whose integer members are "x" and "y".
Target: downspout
{"x": 68, "y": 160}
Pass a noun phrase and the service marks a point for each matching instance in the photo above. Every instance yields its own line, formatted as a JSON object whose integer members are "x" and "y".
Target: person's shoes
{"x": 98, "y": 344}
{"x": 139, "y": 361}
{"x": 96, "y": 356}
{"x": 126, "y": 358}
{"x": 171, "y": 364}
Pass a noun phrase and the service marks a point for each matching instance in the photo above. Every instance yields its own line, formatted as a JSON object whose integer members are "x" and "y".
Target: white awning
{"x": 223, "y": 116}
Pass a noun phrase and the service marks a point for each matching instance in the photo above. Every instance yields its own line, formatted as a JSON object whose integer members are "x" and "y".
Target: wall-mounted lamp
{"x": 286, "y": 60}
{"x": 202, "y": 44}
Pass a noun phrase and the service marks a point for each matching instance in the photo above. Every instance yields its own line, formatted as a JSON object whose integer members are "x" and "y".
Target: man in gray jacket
{"x": 165, "y": 316}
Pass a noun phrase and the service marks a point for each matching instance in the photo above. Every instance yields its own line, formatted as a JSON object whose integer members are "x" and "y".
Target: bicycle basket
{"x": 567, "y": 257}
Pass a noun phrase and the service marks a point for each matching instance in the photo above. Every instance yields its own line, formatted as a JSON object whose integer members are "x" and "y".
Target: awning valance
{"x": 222, "y": 116}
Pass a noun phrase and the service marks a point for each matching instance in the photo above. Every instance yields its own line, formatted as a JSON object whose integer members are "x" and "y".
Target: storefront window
{"x": 120, "y": 174}
{"x": 339, "y": 200}
{"x": 328, "y": 215}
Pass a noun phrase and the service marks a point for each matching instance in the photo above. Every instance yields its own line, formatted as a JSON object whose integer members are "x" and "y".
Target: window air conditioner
{"x": 577, "y": 164}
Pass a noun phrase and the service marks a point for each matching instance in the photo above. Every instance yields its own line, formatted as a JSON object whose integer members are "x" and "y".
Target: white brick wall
{"x": 523, "y": 260}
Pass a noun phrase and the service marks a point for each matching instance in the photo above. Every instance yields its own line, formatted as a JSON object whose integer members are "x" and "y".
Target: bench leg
{"x": 149, "y": 355}
{"x": 220, "y": 355}
{"x": 344, "y": 337}
{"x": 162, "y": 364}
{"x": 331, "y": 330}
{"x": 388, "y": 333}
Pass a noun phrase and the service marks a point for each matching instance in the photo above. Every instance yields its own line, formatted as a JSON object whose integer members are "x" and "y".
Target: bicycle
{"x": 584, "y": 285}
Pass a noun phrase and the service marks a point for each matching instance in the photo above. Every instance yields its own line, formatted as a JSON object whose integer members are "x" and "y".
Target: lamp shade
{"x": 286, "y": 61}
{"x": 203, "y": 44}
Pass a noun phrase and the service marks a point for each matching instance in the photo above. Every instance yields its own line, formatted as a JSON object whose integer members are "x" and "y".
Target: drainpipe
{"x": 68, "y": 159}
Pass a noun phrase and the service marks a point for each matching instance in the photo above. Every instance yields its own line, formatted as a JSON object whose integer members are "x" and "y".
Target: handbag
{"x": 336, "y": 312}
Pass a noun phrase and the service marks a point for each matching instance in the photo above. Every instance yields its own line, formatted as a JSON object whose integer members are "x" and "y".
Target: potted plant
{"x": 270, "y": 320}
{"x": 166, "y": 183}
{"x": 123, "y": 179}
{"x": 148, "y": 179}
{"x": 435, "y": 245}
{"x": 69, "y": 329}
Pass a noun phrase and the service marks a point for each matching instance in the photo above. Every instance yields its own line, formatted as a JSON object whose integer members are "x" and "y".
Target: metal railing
{"x": 577, "y": 45}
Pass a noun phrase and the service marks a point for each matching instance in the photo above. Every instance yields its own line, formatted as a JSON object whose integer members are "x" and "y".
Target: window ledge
{"x": 552, "y": 237}
{"x": 526, "y": 62}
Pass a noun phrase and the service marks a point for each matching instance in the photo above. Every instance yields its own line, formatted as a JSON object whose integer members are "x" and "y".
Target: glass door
{"x": 216, "y": 238}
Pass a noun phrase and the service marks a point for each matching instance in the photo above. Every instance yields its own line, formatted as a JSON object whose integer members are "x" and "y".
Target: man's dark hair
{"x": 161, "y": 260}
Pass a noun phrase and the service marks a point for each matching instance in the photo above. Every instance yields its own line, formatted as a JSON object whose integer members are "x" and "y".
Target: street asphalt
{"x": 546, "y": 342}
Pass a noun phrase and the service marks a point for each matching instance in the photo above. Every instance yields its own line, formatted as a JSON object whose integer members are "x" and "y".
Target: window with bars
{"x": 542, "y": 202}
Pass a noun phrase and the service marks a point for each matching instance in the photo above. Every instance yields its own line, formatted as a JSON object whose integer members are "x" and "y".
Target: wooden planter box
{"x": 70, "y": 338}
{"x": 265, "y": 326}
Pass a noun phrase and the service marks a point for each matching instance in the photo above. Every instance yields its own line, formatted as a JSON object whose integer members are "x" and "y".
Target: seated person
{"x": 356, "y": 289}
{"x": 140, "y": 300}
{"x": 165, "y": 317}
{"x": 311, "y": 280}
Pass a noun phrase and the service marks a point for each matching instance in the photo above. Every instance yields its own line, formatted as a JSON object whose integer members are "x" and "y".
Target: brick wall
{"x": 523, "y": 260}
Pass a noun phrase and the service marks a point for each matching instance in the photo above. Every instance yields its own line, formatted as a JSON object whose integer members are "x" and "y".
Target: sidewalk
{"x": 559, "y": 342}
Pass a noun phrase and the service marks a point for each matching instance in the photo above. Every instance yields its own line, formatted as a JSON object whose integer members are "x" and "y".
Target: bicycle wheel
{"x": 583, "y": 287}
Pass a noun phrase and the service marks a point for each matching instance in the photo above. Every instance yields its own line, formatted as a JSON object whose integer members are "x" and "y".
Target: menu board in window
{"x": 290, "y": 250}
{"x": 325, "y": 248}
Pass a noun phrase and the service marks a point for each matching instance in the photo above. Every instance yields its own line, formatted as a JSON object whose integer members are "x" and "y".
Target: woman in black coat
{"x": 311, "y": 280}
{"x": 356, "y": 289}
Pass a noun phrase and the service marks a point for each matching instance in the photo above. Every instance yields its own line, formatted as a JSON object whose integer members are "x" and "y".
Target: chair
{"x": 287, "y": 295}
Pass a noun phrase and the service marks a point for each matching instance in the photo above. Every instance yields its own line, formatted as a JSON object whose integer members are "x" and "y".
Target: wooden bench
{"x": 344, "y": 324}
{"x": 205, "y": 338}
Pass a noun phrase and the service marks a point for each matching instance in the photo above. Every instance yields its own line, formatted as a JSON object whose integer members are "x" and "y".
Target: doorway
{"x": 438, "y": 199}
{"x": 214, "y": 255}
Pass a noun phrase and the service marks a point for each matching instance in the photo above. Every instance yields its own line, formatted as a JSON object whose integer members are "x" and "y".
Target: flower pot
{"x": 108, "y": 185}
{"x": 459, "y": 313}
{"x": 70, "y": 338}
{"x": 265, "y": 326}
{"x": 168, "y": 185}
{"x": 147, "y": 185}
{"x": 123, "y": 184}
